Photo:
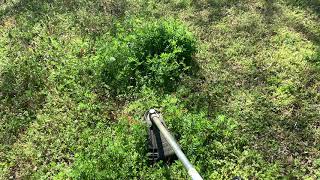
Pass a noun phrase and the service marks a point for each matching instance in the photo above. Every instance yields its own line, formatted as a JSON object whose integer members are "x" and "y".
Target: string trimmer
{"x": 162, "y": 145}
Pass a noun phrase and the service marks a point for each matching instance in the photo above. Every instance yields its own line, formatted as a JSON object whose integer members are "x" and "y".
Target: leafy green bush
{"x": 153, "y": 53}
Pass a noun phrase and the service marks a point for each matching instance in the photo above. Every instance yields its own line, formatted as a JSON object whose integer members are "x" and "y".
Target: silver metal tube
{"x": 191, "y": 170}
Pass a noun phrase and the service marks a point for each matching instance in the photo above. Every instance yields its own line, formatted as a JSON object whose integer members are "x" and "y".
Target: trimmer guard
{"x": 158, "y": 146}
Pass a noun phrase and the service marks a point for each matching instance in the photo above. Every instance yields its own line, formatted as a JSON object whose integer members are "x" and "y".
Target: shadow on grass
{"x": 313, "y": 5}
{"x": 209, "y": 12}
{"x": 269, "y": 11}
{"x": 20, "y": 98}
{"x": 311, "y": 36}
{"x": 84, "y": 14}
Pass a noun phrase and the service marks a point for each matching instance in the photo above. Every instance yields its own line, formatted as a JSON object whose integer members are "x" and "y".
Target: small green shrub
{"x": 155, "y": 53}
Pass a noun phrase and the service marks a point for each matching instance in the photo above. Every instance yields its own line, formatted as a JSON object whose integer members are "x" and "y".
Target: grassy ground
{"x": 252, "y": 110}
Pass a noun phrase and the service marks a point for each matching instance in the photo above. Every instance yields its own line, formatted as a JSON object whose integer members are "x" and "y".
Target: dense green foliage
{"x": 153, "y": 53}
{"x": 238, "y": 83}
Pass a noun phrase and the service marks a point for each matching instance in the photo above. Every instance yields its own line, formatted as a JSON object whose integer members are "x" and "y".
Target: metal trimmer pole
{"x": 154, "y": 116}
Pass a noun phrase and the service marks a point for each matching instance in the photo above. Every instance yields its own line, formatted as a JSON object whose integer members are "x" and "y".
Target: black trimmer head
{"x": 158, "y": 146}
{"x": 163, "y": 146}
